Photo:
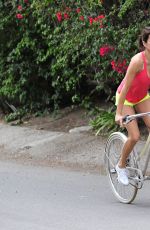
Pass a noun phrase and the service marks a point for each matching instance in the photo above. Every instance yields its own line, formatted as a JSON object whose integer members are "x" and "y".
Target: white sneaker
{"x": 122, "y": 175}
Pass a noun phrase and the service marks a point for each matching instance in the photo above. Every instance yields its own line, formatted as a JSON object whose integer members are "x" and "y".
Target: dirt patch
{"x": 63, "y": 121}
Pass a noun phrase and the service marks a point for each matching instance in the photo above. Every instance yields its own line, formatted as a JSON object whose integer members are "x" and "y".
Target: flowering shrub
{"x": 55, "y": 49}
{"x": 19, "y": 16}
{"x": 104, "y": 50}
{"x": 97, "y": 19}
{"x": 119, "y": 67}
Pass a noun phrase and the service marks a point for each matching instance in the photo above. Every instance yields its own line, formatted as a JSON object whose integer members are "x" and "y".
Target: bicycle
{"x": 136, "y": 172}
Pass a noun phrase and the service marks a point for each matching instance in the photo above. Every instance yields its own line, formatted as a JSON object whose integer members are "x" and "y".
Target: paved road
{"x": 44, "y": 198}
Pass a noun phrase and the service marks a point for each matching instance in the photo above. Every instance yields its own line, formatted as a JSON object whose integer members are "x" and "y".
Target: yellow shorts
{"x": 130, "y": 103}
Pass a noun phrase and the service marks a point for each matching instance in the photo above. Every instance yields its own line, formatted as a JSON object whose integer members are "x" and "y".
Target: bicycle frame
{"x": 145, "y": 151}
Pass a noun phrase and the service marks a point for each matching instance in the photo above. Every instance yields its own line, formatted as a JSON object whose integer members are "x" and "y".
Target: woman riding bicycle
{"x": 131, "y": 97}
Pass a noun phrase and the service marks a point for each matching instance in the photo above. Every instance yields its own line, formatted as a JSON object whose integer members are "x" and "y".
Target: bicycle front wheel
{"x": 113, "y": 148}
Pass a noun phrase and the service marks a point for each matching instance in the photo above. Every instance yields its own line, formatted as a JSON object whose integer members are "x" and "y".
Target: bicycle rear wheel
{"x": 113, "y": 148}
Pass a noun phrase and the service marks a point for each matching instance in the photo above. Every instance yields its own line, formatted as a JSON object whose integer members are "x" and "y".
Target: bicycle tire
{"x": 114, "y": 144}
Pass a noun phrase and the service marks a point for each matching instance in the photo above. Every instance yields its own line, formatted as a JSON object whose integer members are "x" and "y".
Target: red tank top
{"x": 140, "y": 85}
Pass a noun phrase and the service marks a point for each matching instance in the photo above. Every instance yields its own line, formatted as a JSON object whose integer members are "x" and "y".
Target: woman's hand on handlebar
{"x": 119, "y": 119}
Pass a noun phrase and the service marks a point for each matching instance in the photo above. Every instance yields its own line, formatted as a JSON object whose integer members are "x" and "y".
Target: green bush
{"x": 51, "y": 51}
{"x": 104, "y": 122}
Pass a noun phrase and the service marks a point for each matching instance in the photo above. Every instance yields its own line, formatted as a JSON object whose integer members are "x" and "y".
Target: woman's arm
{"x": 136, "y": 65}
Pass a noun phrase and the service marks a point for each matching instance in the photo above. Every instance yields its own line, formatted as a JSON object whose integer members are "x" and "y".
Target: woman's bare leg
{"x": 144, "y": 107}
{"x": 133, "y": 137}
{"x": 133, "y": 130}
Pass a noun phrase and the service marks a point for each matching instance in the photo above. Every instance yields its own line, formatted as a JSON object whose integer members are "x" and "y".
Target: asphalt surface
{"x": 78, "y": 149}
{"x": 45, "y": 198}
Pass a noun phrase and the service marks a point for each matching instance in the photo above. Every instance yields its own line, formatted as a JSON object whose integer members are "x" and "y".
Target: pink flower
{"x": 119, "y": 66}
{"x": 113, "y": 63}
{"x": 81, "y": 18}
{"x": 78, "y": 10}
{"x": 101, "y": 16}
{"x": 19, "y": 7}
{"x": 66, "y": 16}
{"x": 59, "y": 16}
{"x": 97, "y": 19}
{"x": 19, "y": 16}
{"x": 91, "y": 20}
{"x": 104, "y": 50}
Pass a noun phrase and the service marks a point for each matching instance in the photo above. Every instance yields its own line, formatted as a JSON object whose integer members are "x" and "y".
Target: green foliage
{"x": 50, "y": 50}
{"x": 127, "y": 5}
{"x": 17, "y": 115}
{"x": 104, "y": 122}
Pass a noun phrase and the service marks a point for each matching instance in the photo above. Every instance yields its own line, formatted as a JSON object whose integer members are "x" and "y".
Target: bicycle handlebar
{"x": 129, "y": 118}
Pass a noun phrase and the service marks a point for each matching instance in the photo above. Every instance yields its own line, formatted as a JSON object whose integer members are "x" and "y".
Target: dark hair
{"x": 144, "y": 37}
